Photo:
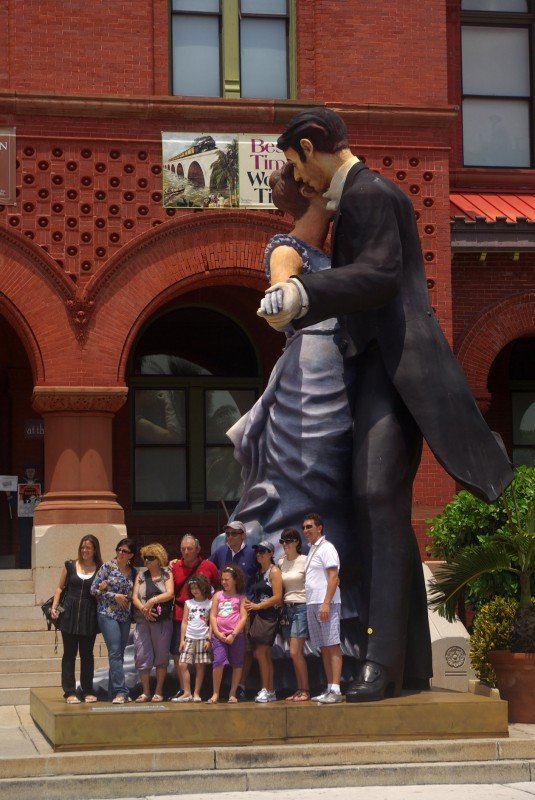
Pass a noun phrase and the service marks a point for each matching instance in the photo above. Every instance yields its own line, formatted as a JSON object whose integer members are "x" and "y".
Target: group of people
{"x": 216, "y": 611}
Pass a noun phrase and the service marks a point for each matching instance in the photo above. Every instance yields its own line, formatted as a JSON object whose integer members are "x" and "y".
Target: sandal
{"x": 302, "y": 696}
{"x": 232, "y": 699}
{"x": 211, "y": 701}
{"x": 157, "y": 698}
{"x": 90, "y": 698}
{"x": 121, "y": 699}
{"x": 73, "y": 700}
{"x": 143, "y": 698}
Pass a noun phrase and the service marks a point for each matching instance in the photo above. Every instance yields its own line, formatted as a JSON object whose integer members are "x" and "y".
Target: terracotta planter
{"x": 515, "y": 673}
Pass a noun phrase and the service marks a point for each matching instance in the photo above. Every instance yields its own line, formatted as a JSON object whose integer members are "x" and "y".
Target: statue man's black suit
{"x": 408, "y": 384}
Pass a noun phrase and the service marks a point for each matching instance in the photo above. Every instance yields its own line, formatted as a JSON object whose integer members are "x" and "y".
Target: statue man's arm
{"x": 370, "y": 280}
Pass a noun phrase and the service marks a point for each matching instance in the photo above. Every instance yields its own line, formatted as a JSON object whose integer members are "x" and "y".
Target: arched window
{"x": 522, "y": 385}
{"x": 194, "y": 374}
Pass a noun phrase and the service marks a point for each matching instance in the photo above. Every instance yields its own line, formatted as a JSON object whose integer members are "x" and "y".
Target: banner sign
{"x": 219, "y": 170}
{"x": 8, "y": 184}
{"x": 8, "y": 483}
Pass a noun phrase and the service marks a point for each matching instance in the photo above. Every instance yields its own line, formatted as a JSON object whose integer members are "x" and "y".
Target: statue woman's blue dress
{"x": 295, "y": 443}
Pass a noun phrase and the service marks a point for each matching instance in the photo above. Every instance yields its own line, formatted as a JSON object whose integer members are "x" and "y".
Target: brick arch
{"x": 35, "y": 300}
{"x": 191, "y": 252}
{"x": 499, "y": 325}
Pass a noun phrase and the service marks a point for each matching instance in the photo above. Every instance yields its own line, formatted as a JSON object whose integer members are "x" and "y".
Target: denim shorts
{"x": 297, "y": 618}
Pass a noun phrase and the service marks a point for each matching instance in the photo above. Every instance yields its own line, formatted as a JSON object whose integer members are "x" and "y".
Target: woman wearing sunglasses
{"x": 267, "y": 594}
{"x": 154, "y": 590}
{"x": 112, "y": 587}
{"x": 292, "y": 567}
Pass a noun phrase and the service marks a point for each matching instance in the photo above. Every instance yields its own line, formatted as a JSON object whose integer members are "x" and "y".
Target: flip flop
{"x": 73, "y": 700}
{"x": 232, "y": 700}
{"x": 143, "y": 698}
{"x": 301, "y": 697}
{"x": 211, "y": 701}
{"x": 90, "y": 698}
{"x": 121, "y": 699}
{"x": 157, "y": 698}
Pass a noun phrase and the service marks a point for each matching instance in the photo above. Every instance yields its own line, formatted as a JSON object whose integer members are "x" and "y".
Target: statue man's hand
{"x": 281, "y": 304}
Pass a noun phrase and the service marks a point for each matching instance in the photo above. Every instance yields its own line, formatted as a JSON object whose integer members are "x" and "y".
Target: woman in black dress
{"x": 78, "y": 624}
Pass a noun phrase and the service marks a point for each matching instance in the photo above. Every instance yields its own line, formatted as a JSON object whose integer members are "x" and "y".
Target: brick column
{"x": 78, "y": 474}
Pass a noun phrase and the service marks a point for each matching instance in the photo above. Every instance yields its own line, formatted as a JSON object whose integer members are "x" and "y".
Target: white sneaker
{"x": 332, "y": 697}
{"x": 320, "y": 697}
{"x": 261, "y": 696}
{"x": 264, "y": 696}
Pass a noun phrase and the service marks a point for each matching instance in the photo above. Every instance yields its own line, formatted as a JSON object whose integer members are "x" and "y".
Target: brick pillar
{"x": 78, "y": 467}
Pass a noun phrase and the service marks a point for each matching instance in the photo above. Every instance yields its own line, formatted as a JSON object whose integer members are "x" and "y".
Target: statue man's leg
{"x": 387, "y": 449}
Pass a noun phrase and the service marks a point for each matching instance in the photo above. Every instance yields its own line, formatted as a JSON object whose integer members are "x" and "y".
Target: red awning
{"x": 492, "y": 205}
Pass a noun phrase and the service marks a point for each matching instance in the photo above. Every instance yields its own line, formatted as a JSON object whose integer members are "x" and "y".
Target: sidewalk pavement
{"x": 509, "y": 791}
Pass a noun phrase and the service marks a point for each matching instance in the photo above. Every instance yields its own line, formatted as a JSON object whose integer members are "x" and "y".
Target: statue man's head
{"x": 315, "y": 144}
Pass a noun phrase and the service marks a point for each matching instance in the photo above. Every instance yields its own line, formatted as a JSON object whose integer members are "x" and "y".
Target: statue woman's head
{"x": 286, "y": 192}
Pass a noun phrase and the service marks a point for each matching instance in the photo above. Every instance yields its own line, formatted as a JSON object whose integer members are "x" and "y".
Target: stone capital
{"x": 79, "y": 399}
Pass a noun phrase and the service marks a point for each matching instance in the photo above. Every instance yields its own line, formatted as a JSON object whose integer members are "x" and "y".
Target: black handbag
{"x": 262, "y": 630}
{"x": 162, "y": 610}
{"x": 46, "y": 608}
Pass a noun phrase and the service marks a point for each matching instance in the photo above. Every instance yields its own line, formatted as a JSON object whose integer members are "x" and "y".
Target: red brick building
{"x": 95, "y": 273}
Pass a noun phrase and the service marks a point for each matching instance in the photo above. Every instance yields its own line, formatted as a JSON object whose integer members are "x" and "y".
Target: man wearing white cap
{"x": 236, "y": 551}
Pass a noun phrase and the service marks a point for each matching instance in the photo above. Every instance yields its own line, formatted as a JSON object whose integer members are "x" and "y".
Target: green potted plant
{"x": 510, "y": 550}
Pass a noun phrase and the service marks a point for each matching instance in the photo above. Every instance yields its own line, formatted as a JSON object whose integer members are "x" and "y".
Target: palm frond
{"x": 451, "y": 578}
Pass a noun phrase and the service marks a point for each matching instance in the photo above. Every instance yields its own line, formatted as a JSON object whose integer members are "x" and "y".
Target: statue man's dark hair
{"x": 325, "y": 129}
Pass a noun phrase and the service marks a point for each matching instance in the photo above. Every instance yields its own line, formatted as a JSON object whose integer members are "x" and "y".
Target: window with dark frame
{"x": 497, "y": 44}
{"x": 194, "y": 375}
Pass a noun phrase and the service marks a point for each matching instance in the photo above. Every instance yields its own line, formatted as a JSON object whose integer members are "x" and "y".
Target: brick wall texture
{"x": 88, "y": 254}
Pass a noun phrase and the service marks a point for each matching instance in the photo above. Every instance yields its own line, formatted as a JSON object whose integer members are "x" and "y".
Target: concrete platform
{"x": 421, "y": 715}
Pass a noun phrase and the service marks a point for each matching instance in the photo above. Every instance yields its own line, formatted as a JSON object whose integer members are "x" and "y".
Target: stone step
{"x": 22, "y": 600}
{"x": 38, "y": 634}
{"x": 46, "y": 663}
{"x": 15, "y": 587}
{"x": 16, "y": 575}
{"x": 31, "y": 680}
{"x": 16, "y": 623}
{"x": 14, "y": 697}
{"x": 20, "y": 612}
{"x": 41, "y": 650}
{"x": 165, "y": 772}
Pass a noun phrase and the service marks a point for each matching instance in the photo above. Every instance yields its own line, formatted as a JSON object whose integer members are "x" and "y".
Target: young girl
{"x": 228, "y": 617}
{"x": 195, "y": 632}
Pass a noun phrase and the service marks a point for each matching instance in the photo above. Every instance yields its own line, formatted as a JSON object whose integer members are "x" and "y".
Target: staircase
{"x": 27, "y": 658}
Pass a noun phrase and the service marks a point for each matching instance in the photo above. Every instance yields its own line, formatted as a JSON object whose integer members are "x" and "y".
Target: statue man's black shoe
{"x": 374, "y": 682}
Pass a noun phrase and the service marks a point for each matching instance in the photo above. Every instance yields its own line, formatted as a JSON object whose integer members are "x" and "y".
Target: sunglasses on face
{"x": 307, "y": 527}
{"x": 149, "y": 558}
{"x": 288, "y": 541}
{"x": 126, "y": 552}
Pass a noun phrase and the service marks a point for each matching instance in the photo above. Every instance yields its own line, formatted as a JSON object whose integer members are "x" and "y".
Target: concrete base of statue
{"x": 415, "y": 715}
{"x": 53, "y": 544}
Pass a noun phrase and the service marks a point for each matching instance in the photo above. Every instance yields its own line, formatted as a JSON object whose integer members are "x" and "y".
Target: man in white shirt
{"x": 323, "y": 605}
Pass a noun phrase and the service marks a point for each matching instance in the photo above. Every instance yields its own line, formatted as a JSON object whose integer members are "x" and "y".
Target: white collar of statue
{"x": 336, "y": 187}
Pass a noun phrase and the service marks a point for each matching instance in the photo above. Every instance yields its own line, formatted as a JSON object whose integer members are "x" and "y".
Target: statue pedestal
{"x": 418, "y": 715}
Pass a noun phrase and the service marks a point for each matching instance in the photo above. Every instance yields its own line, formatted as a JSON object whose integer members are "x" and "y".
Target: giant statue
{"x": 403, "y": 383}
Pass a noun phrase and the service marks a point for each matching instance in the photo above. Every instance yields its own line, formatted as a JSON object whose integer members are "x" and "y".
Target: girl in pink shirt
{"x": 228, "y": 617}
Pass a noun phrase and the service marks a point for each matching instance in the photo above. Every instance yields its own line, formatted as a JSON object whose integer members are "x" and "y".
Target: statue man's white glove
{"x": 281, "y": 303}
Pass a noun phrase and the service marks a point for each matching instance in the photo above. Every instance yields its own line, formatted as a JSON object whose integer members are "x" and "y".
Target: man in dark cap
{"x": 408, "y": 383}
